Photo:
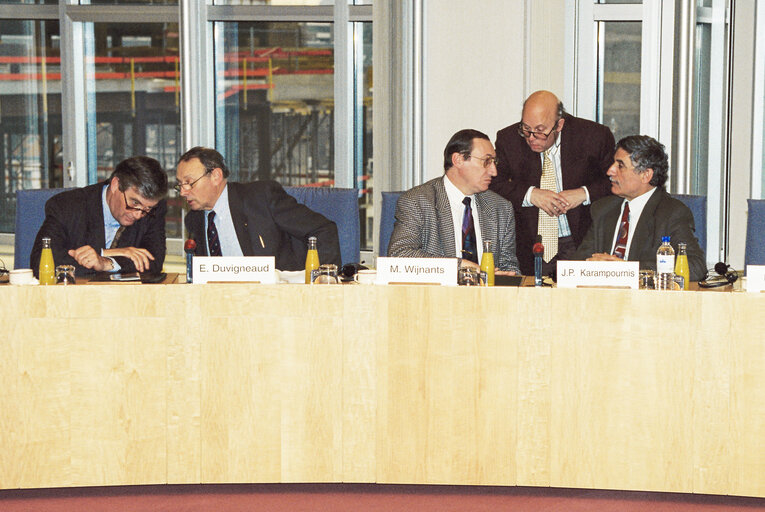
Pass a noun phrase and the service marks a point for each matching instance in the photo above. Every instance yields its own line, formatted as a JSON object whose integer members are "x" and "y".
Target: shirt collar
{"x": 109, "y": 219}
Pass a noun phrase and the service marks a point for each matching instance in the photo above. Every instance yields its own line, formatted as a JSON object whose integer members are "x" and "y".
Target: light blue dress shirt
{"x": 224, "y": 223}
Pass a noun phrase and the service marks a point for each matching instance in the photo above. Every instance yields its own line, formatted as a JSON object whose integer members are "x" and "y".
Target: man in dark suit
{"x": 248, "y": 219}
{"x": 576, "y": 152}
{"x": 430, "y": 217}
{"x": 630, "y": 224}
{"x": 114, "y": 226}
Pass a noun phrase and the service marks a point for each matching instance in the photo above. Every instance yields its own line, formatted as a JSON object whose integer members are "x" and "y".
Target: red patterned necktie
{"x": 624, "y": 230}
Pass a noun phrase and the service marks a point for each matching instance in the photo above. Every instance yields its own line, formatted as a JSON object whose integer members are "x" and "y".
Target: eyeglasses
{"x": 145, "y": 211}
{"x": 189, "y": 186}
{"x": 487, "y": 161}
{"x": 537, "y": 135}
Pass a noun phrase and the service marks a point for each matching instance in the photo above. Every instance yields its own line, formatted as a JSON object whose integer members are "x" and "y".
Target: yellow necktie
{"x": 548, "y": 226}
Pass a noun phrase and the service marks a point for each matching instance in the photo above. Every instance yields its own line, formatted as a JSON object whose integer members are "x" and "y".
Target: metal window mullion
{"x": 758, "y": 126}
{"x": 325, "y": 14}
{"x": 343, "y": 129}
{"x": 197, "y": 75}
{"x": 29, "y": 12}
{"x": 123, "y": 13}
{"x": 650, "y": 68}
{"x": 73, "y": 100}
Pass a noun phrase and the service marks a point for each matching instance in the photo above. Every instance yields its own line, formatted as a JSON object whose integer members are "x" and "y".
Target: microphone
{"x": 725, "y": 275}
{"x": 539, "y": 251}
{"x": 189, "y": 247}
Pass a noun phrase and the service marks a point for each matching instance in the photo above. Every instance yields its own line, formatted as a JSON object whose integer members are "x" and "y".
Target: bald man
{"x": 574, "y": 154}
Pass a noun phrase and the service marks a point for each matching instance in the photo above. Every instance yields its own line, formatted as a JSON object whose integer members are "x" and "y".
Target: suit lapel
{"x": 95, "y": 232}
{"x": 444, "y": 218}
{"x": 646, "y": 225}
{"x": 485, "y": 214}
{"x": 241, "y": 224}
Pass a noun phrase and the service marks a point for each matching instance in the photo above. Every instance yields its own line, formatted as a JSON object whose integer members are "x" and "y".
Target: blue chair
{"x": 340, "y": 205}
{"x": 30, "y": 214}
{"x": 755, "y": 232}
{"x": 698, "y": 206}
{"x": 387, "y": 219}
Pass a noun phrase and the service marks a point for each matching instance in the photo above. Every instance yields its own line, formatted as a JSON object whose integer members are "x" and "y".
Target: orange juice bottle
{"x": 681, "y": 265}
{"x": 47, "y": 271}
{"x": 487, "y": 262}
{"x": 311, "y": 259}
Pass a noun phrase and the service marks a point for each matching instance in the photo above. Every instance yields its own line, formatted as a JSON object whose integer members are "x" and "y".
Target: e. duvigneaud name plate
{"x": 598, "y": 274}
{"x": 755, "y": 278}
{"x": 417, "y": 270}
{"x": 232, "y": 269}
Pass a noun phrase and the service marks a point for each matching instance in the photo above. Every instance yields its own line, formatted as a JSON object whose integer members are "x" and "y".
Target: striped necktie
{"x": 469, "y": 248}
{"x": 117, "y": 237}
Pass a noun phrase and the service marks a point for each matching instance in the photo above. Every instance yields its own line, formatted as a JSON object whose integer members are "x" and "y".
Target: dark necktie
{"x": 469, "y": 250}
{"x": 117, "y": 236}
{"x": 213, "y": 242}
{"x": 624, "y": 229}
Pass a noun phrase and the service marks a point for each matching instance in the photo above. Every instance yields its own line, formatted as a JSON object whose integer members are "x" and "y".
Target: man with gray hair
{"x": 115, "y": 226}
{"x": 629, "y": 225}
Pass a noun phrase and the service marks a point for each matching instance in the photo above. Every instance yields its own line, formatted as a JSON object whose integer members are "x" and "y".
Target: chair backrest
{"x": 340, "y": 205}
{"x": 698, "y": 206}
{"x": 387, "y": 219}
{"x": 30, "y": 214}
{"x": 755, "y": 232}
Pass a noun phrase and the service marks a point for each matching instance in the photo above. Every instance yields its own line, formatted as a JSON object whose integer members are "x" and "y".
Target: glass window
{"x": 30, "y": 111}
{"x": 132, "y": 78}
{"x": 701, "y": 110}
{"x": 619, "y": 76}
{"x": 275, "y": 88}
{"x": 363, "y": 125}
{"x": 125, "y": 2}
{"x": 274, "y": 2}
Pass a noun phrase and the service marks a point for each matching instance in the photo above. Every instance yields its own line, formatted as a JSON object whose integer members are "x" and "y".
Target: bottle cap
{"x": 665, "y": 239}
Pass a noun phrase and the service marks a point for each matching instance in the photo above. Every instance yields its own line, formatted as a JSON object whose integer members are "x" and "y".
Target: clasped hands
{"x": 88, "y": 257}
{"x": 557, "y": 203}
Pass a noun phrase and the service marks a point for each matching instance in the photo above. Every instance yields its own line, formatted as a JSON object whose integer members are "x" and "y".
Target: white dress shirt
{"x": 455, "y": 197}
{"x": 229, "y": 243}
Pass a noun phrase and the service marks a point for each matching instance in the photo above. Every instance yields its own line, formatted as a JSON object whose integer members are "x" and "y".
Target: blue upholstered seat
{"x": 755, "y": 232}
{"x": 340, "y": 205}
{"x": 387, "y": 219}
{"x": 698, "y": 206}
{"x": 30, "y": 214}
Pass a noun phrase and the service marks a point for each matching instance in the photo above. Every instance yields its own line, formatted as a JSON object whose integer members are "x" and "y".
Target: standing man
{"x": 457, "y": 206}
{"x": 248, "y": 219}
{"x": 551, "y": 167}
{"x": 629, "y": 225}
{"x": 118, "y": 225}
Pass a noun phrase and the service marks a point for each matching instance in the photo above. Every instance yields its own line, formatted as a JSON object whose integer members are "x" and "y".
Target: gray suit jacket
{"x": 663, "y": 215}
{"x": 424, "y": 226}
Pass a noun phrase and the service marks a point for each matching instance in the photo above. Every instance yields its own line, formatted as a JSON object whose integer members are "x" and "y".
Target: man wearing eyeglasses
{"x": 450, "y": 216}
{"x": 552, "y": 167}
{"x": 115, "y": 226}
{"x": 248, "y": 219}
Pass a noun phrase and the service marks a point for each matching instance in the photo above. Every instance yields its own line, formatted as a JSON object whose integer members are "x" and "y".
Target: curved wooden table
{"x": 610, "y": 389}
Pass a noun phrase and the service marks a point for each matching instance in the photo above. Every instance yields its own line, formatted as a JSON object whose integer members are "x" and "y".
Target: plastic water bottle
{"x": 665, "y": 265}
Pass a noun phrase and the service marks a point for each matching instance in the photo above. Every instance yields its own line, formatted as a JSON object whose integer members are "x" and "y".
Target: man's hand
{"x": 574, "y": 197}
{"x": 604, "y": 256}
{"x": 138, "y": 255}
{"x": 551, "y": 202}
{"x": 469, "y": 264}
{"x": 87, "y": 257}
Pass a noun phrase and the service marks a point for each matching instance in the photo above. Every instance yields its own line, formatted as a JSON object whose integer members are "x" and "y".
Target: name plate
{"x": 598, "y": 274}
{"x": 232, "y": 269}
{"x": 417, "y": 270}
{"x": 755, "y": 278}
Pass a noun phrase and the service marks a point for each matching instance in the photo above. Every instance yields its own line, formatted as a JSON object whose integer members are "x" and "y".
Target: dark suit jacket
{"x": 587, "y": 151}
{"x": 663, "y": 215}
{"x": 76, "y": 218}
{"x": 262, "y": 209}
{"x": 424, "y": 227}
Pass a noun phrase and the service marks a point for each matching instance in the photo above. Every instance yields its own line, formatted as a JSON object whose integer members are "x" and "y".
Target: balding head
{"x": 542, "y": 113}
